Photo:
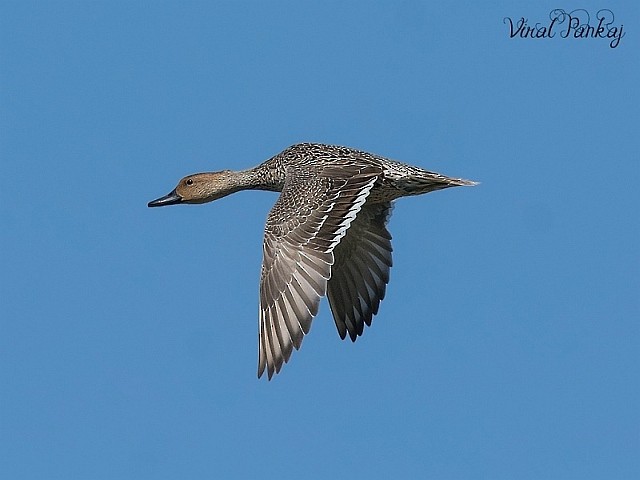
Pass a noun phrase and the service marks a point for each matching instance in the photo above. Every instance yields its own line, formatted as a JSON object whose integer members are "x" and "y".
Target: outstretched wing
{"x": 311, "y": 216}
{"x": 361, "y": 270}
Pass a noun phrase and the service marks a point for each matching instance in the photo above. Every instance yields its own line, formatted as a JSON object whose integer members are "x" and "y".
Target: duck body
{"x": 326, "y": 235}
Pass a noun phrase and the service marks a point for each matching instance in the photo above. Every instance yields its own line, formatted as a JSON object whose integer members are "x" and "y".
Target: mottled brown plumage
{"x": 325, "y": 235}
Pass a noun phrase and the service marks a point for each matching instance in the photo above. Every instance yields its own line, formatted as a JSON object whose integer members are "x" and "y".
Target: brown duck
{"x": 326, "y": 235}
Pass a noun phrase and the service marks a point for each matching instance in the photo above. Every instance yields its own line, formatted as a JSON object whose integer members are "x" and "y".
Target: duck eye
{"x": 189, "y": 182}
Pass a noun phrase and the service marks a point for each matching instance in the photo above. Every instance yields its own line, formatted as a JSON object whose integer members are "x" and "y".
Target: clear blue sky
{"x": 507, "y": 346}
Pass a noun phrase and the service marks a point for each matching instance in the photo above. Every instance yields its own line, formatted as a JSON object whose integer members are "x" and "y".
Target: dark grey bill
{"x": 170, "y": 199}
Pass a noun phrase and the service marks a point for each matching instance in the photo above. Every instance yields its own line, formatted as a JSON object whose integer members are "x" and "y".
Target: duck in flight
{"x": 326, "y": 235}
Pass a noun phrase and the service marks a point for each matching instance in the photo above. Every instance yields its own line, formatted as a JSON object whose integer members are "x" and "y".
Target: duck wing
{"x": 361, "y": 270}
{"x": 316, "y": 207}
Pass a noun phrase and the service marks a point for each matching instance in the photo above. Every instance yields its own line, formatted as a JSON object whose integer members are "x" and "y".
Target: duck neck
{"x": 258, "y": 178}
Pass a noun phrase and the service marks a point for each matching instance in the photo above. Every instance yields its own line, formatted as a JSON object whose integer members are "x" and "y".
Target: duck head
{"x": 199, "y": 188}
